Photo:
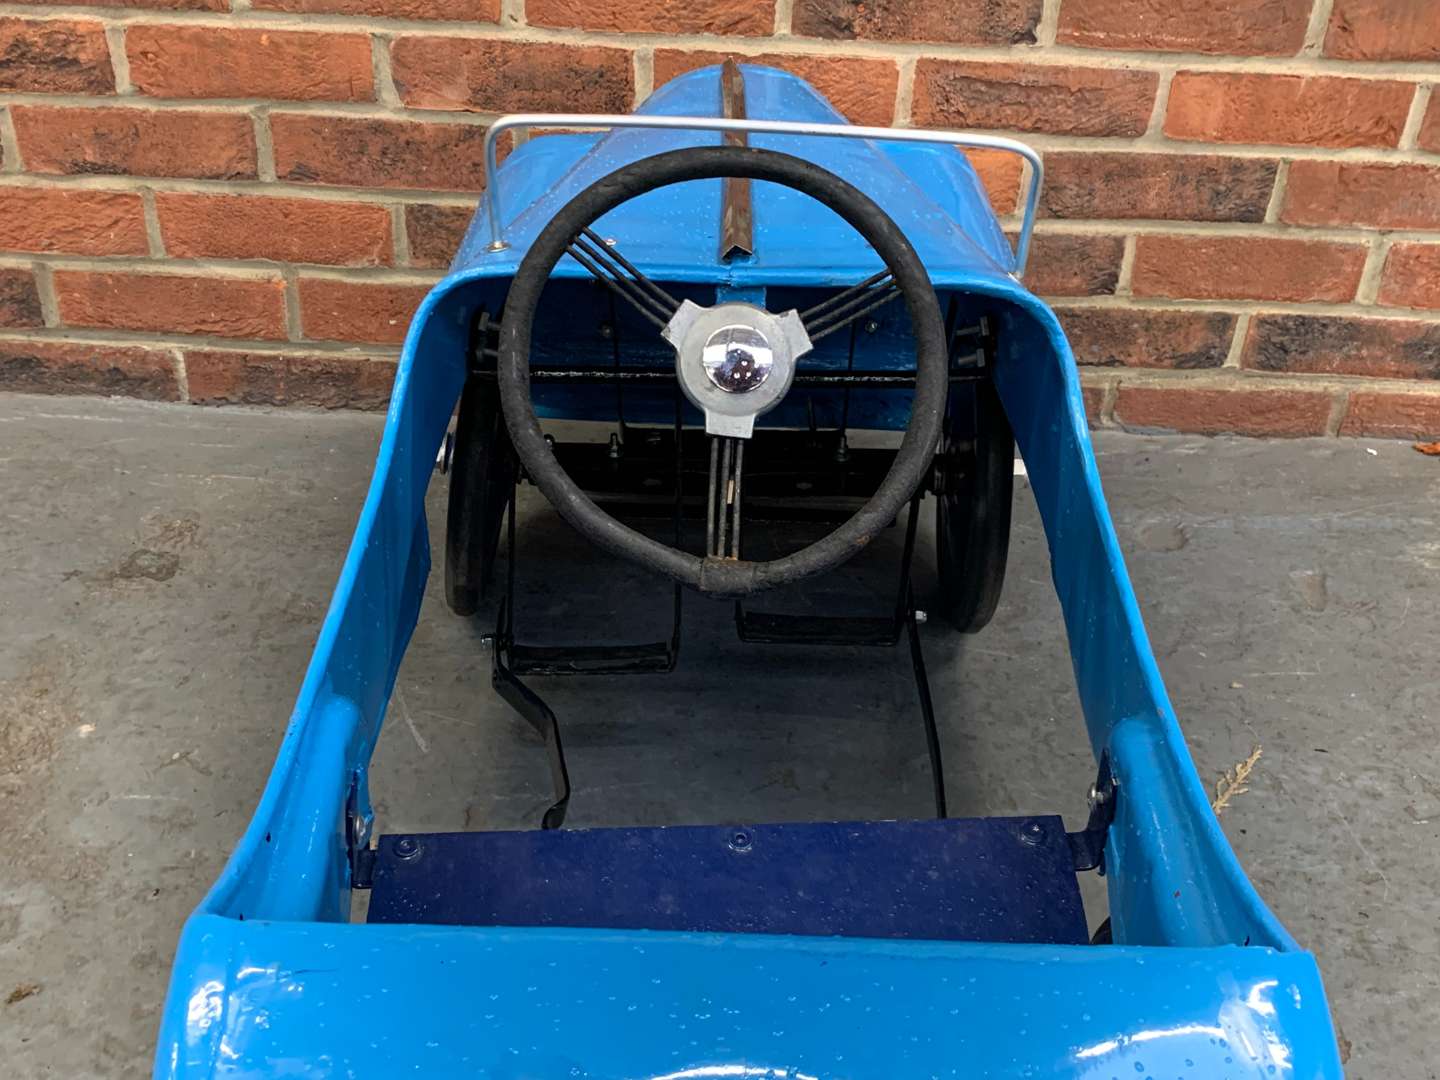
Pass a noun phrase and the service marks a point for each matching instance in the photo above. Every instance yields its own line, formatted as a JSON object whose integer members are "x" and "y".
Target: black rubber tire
{"x": 482, "y": 474}
{"x": 972, "y": 511}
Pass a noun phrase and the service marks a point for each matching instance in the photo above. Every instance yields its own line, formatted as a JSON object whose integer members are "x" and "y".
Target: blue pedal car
{"x": 732, "y": 285}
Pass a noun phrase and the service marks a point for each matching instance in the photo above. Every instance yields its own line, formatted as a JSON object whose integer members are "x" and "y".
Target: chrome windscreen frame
{"x": 961, "y": 139}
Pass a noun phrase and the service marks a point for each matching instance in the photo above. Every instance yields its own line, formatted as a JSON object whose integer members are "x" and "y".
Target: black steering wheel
{"x": 733, "y": 360}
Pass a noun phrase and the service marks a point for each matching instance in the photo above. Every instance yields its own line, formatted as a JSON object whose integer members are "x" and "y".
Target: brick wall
{"x": 243, "y": 200}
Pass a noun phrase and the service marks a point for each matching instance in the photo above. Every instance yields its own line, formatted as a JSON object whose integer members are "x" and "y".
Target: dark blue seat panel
{"x": 963, "y": 879}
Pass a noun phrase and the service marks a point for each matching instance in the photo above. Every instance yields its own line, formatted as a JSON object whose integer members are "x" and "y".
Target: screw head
{"x": 1032, "y": 833}
{"x": 871, "y": 326}
{"x": 407, "y": 847}
{"x": 741, "y": 840}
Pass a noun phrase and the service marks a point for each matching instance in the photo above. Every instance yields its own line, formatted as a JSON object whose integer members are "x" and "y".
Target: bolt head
{"x": 407, "y": 847}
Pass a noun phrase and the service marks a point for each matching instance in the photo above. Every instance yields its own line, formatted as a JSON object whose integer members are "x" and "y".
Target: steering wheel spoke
{"x": 853, "y": 303}
{"x": 722, "y": 516}
{"x": 622, "y": 277}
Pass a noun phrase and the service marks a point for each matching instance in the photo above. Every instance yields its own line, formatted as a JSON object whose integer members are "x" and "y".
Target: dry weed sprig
{"x": 1233, "y": 781}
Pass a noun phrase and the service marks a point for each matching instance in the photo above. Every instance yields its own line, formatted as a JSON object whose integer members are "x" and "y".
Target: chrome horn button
{"x": 737, "y": 358}
{"x": 735, "y": 361}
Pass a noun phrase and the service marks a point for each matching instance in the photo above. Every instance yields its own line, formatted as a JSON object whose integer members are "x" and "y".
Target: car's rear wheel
{"x": 482, "y": 475}
{"x": 975, "y": 472}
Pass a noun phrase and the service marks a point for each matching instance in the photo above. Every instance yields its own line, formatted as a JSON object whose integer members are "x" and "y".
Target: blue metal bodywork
{"x": 271, "y": 979}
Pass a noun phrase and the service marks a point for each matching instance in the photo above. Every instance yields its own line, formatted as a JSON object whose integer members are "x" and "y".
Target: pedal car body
{"x": 893, "y": 969}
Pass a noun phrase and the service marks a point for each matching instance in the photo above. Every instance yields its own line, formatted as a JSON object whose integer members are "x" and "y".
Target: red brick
{"x": 1362, "y": 193}
{"x": 1411, "y": 277}
{"x": 1246, "y": 268}
{"x": 19, "y": 299}
{"x": 1066, "y": 265}
{"x": 511, "y": 76}
{"x": 1392, "y": 416}
{"x": 1429, "y": 136}
{"x": 284, "y": 230}
{"x": 1336, "y": 345}
{"x": 161, "y": 5}
{"x": 1289, "y": 110}
{"x": 234, "y": 62}
{"x": 454, "y": 10}
{"x": 218, "y": 377}
{"x": 1384, "y": 30}
{"x": 136, "y": 142}
{"x": 1236, "y": 27}
{"x": 54, "y": 367}
{"x": 357, "y": 311}
{"x": 360, "y": 152}
{"x": 862, "y": 89}
{"x": 1000, "y": 173}
{"x": 1288, "y": 413}
{"x": 1094, "y": 403}
{"x": 435, "y": 232}
{"x": 172, "y": 303}
{"x": 749, "y": 17}
{"x": 1033, "y": 97}
{"x": 1183, "y": 187}
{"x": 71, "y": 221}
{"x": 1147, "y": 337}
{"x": 963, "y": 22}
{"x": 54, "y": 56}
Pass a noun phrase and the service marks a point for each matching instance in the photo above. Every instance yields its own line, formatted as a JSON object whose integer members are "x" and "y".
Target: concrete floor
{"x": 165, "y": 570}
